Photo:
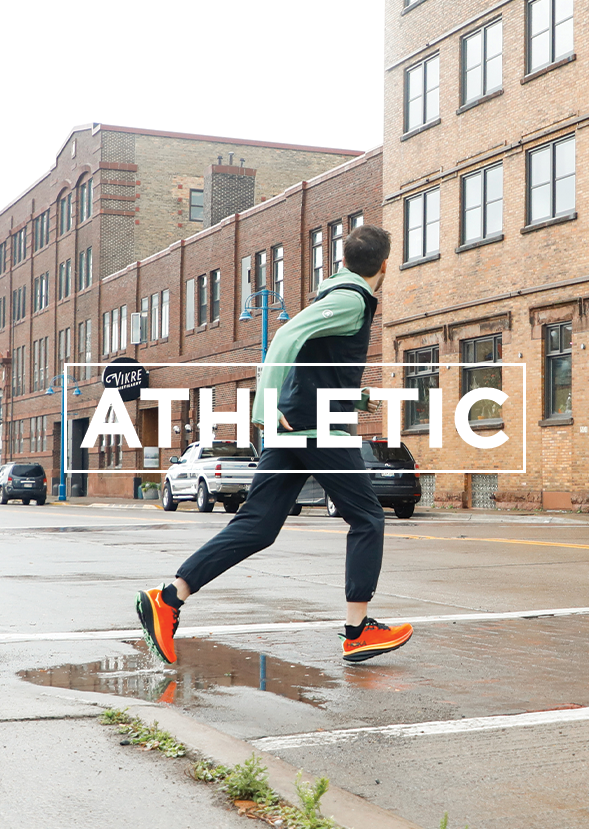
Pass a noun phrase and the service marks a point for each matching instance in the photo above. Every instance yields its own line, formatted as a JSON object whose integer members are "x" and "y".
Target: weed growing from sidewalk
{"x": 149, "y": 737}
{"x": 444, "y": 822}
{"x": 308, "y": 815}
{"x": 208, "y": 772}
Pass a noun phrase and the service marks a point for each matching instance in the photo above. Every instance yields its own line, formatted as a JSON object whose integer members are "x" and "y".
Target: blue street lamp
{"x": 246, "y": 314}
{"x": 62, "y": 378}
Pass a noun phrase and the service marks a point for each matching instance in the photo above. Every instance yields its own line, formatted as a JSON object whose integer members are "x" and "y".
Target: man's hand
{"x": 284, "y": 422}
{"x": 372, "y": 406}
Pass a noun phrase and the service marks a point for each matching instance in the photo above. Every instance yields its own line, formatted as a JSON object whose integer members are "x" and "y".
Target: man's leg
{"x": 254, "y": 528}
{"x": 356, "y": 501}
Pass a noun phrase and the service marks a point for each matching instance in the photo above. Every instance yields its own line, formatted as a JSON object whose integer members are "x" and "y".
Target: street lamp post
{"x": 246, "y": 314}
{"x": 62, "y": 378}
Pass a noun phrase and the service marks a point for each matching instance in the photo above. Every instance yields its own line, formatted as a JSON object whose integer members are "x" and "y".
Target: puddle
{"x": 203, "y": 666}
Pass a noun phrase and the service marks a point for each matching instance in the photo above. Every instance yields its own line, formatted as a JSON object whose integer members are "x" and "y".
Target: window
{"x": 482, "y": 350}
{"x": 482, "y": 57}
{"x": 422, "y": 93}
{"x": 2, "y": 312}
{"x": 196, "y": 205}
{"x": 19, "y": 246}
{"x": 64, "y": 283}
{"x": 202, "y": 299}
{"x": 550, "y": 32}
{"x": 85, "y": 348}
{"x": 41, "y": 230}
{"x": 85, "y": 269}
{"x": 144, "y": 319}
{"x": 422, "y": 375}
{"x": 422, "y": 225}
{"x": 316, "y": 259}
{"x": 111, "y": 448}
{"x": 64, "y": 347}
{"x": 165, "y": 314}
{"x": 155, "y": 316}
{"x": 246, "y": 279}
{"x": 17, "y": 436}
{"x": 2, "y": 258}
{"x": 482, "y": 204}
{"x": 278, "y": 270}
{"x": 551, "y": 180}
{"x": 336, "y": 247}
{"x": 19, "y": 304}
{"x": 85, "y": 200}
{"x": 559, "y": 342}
{"x": 39, "y": 433}
{"x": 215, "y": 294}
{"x": 190, "y": 305}
{"x": 41, "y": 292}
{"x": 123, "y": 327}
{"x": 106, "y": 333}
{"x": 260, "y": 270}
{"x": 40, "y": 363}
{"x": 356, "y": 221}
{"x": 64, "y": 209}
{"x": 19, "y": 371}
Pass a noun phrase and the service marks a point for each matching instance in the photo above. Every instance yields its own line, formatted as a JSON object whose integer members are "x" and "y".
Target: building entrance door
{"x": 78, "y": 456}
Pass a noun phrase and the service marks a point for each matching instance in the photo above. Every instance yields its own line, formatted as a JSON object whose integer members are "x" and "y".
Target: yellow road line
{"x": 451, "y": 538}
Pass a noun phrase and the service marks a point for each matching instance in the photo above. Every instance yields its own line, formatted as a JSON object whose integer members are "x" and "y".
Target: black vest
{"x": 298, "y": 396}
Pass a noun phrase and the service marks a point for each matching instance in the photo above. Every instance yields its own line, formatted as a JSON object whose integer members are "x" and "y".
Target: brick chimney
{"x": 227, "y": 189}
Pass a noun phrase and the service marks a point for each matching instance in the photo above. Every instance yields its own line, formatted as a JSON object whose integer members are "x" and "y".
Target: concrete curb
{"x": 347, "y": 809}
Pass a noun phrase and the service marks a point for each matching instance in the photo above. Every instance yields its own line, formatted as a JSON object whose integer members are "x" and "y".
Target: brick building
{"x": 106, "y": 234}
{"x": 486, "y": 199}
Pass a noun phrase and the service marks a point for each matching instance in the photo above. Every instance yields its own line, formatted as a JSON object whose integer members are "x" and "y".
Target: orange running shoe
{"x": 375, "y": 639}
{"x": 159, "y": 622}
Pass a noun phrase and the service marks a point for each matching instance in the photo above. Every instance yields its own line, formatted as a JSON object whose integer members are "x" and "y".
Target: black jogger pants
{"x": 270, "y": 499}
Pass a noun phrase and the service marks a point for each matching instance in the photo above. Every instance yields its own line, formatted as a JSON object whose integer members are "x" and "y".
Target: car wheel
{"x": 40, "y": 501}
{"x": 26, "y": 501}
{"x": 231, "y": 505}
{"x": 3, "y": 497}
{"x": 332, "y": 510}
{"x": 296, "y": 509}
{"x": 168, "y": 502}
{"x": 202, "y": 498}
{"x": 404, "y": 510}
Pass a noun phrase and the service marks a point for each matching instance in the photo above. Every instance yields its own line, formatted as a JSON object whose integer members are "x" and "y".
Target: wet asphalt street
{"x": 483, "y": 714}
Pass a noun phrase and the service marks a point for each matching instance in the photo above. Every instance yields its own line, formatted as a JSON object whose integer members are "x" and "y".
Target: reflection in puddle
{"x": 202, "y": 666}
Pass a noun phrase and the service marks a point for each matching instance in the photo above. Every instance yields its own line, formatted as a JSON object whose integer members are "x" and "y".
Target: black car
{"x": 396, "y": 489}
{"x": 25, "y": 481}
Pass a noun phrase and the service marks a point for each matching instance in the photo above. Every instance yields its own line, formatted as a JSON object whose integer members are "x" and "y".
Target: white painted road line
{"x": 424, "y": 729}
{"x": 286, "y": 627}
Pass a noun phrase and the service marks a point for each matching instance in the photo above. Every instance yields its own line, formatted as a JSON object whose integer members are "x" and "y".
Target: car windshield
{"x": 377, "y": 451}
{"x": 228, "y": 449}
{"x": 32, "y": 470}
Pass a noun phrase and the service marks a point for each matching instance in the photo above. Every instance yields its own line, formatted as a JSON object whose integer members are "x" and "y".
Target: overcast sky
{"x": 307, "y": 72}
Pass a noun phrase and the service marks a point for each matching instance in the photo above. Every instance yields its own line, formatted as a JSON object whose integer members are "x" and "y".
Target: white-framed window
{"x": 41, "y": 292}
{"x": 196, "y": 205}
{"x": 155, "y": 316}
{"x": 357, "y": 220}
{"x": 336, "y": 238}
{"x": 202, "y": 297}
{"x": 278, "y": 270}
{"x": 316, "y": 259}
{"x": 85, "y": 348}
{"x": 64, "y": 281}
{"x": 85, "y": 196}
{"x": 65, "y": 213}
{"x": 19, "y": 246}
{"x": 215, "y": 294}
{"x": 41, "y": 230}
{"x": 84, "y": 269}
{"x": 190, "y": 305}
{"x": 64, "y": 345}
{"x": 165, "y": 313}
{"x": 144, "y": 319}
{"x": 422, "y": 93}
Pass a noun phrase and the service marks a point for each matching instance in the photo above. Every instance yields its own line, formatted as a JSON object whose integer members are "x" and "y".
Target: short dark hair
{"x": 366, "y": 248}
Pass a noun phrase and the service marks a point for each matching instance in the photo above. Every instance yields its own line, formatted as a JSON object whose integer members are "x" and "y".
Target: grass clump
{"x": 444, "y": 822}
{"x": 249, "y": 782}
{"x": 208, "y": 772}
{"x": 149, "y": 737}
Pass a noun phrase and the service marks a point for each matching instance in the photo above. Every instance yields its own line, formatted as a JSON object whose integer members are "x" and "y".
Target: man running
{"x": 335, "y": 329}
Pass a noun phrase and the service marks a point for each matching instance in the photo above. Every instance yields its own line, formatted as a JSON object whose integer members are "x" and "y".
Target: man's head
{"x": 366, "y": 249}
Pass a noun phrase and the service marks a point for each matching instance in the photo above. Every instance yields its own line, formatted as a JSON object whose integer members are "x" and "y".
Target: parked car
{"x": 222, "y": 472}
{"x": 399, "y": 490}
{"x": 24, "y": 481}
